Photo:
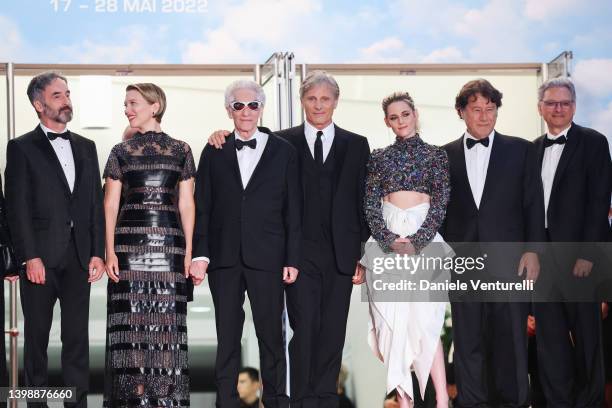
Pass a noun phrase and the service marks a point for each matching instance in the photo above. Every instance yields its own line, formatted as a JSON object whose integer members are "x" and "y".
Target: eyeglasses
{"x": 253, "y": 105}
{"x": 560, "y": 104}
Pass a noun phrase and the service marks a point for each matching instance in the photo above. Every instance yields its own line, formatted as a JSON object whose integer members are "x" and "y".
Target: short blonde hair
{"x": 152, "y": 94}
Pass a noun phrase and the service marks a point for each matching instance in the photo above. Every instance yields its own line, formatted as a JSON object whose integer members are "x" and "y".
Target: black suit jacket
{"x": 262, "y": 218}
{"x": 511, "y": 207}
{"x": 580, "y": 195}
{"x": 349, "y": 227}
{"x": 40, "y": 206}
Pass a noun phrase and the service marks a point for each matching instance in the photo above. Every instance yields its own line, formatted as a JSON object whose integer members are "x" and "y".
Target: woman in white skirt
{"x": 407, "y": 190}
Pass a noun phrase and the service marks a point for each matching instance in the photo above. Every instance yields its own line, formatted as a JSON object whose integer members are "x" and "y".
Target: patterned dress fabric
{"x": 146, "y": 343}
{"x": 407, "y": 165}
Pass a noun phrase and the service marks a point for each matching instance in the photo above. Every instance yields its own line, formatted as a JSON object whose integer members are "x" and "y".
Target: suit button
{"x": 243, "y": 198}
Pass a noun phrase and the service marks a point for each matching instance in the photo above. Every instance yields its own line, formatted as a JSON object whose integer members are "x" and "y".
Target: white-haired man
{"x": 247, "y": 237}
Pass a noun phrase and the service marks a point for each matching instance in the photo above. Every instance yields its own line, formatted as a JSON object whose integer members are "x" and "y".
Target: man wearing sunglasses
{"x": 332, "y": 167}
{"x": 247, "y": 237}
{"x": 575, "y": 171}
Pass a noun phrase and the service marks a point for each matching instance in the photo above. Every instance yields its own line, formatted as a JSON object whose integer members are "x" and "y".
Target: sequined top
{"x": 407, "y": 165}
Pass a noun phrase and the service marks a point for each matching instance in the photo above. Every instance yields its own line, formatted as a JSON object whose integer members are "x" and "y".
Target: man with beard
{"x": 54, "y": 208}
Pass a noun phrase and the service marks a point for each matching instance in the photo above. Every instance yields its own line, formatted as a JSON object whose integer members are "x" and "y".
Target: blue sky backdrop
{"x": 342, "y": 31}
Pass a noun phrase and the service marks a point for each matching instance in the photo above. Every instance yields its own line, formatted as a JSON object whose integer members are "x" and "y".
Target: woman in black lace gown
{"x": 148, "y": 244}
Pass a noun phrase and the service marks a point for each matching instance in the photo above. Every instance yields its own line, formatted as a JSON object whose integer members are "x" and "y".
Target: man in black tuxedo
{"x": 247, "y": 237}
{"x": 54, "y": 208}
{"x": 495, "y": 197}
{"x": 332, "y": 167}
{"x": 332, "y": 164}
{"x": 575, "y": 171}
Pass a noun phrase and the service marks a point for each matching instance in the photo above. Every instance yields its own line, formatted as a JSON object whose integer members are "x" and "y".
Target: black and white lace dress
{"x": 146, "y": 344}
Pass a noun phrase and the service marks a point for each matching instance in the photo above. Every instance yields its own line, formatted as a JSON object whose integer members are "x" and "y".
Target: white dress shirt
{"x": 247, "y": 157}
{"x": 247, "y": 161}
{"x": 477, "y": 164}
{"x": 550, "y": 161}
{"x": 63, "y": 151}
{"x": 327, "y": 138}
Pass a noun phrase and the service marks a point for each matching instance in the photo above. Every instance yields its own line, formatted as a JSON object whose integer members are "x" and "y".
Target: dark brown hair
{"x": 397, "y": 97}
{"x": 37, "y": 85}
{"x": 472, "y": 89}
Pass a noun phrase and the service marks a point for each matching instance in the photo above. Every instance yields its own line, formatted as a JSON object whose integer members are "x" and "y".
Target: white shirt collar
{"x": 256, "y": 135}
{"x": 468, "y": 135}
{"x": 47, "y": 130}
{"x": 311, "y": 132}
{"x": 563, "y": 133}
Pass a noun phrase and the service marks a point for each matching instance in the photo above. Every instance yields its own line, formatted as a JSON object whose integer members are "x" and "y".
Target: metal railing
{"x": 13, "y": 331}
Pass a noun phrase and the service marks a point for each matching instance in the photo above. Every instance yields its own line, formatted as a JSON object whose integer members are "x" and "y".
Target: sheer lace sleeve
{"x": 113, "y": 168}
{"x": 189, "y": 169}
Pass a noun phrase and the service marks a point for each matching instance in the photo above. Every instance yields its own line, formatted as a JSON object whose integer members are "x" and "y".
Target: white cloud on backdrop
{"x": 11, "y": 43}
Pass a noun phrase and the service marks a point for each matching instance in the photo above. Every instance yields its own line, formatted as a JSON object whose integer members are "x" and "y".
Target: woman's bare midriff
{"x": 406, "y": 199}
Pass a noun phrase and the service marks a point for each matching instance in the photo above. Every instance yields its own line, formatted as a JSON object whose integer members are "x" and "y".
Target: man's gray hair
{"x": 40, "y": 82}
{"x": 557, "y": 83}
{"x": 244, "y": 84}
{"x": 315, "y": 78}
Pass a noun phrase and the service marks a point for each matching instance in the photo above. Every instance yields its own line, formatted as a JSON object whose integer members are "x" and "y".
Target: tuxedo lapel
{"x": 340, "y": 146}
{"x": 79, "y": 155}
{"x": 229, "y": 150}
{"x": 302, "y": 150}
{"x": 540, "y": 150}
{"x": 43, "y": 144}
{"x": 496, "y": 164}
{"x": 266, "y": 155}
{"x": 462, "y": 182}
{"x": 568, "y": 151}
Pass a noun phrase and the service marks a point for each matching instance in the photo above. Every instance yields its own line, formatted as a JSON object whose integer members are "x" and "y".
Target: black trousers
{"x": 490, "y": 341}
{"x": 570, "y": 355}
{"x": 68, "y": 283}
{"x": 318, "y": 304}
{"x": 265, "y": 290}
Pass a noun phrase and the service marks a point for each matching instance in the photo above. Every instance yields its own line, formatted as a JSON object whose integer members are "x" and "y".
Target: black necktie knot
{"x": 473, "y": 142}
{"x": 549, "y": 142}
{"x": 53, "y": 136}
{"x": 249, "y": 143}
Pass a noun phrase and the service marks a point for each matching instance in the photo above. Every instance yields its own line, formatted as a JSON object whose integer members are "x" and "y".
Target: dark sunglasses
{"x": 253, "y": 105}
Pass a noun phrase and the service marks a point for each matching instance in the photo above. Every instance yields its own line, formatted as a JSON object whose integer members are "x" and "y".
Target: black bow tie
{"x": 53, "y": 136}
{"x": 472, "y": 142}
{"x": 250, "y": 143}
{"x": 549, "y": 142}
